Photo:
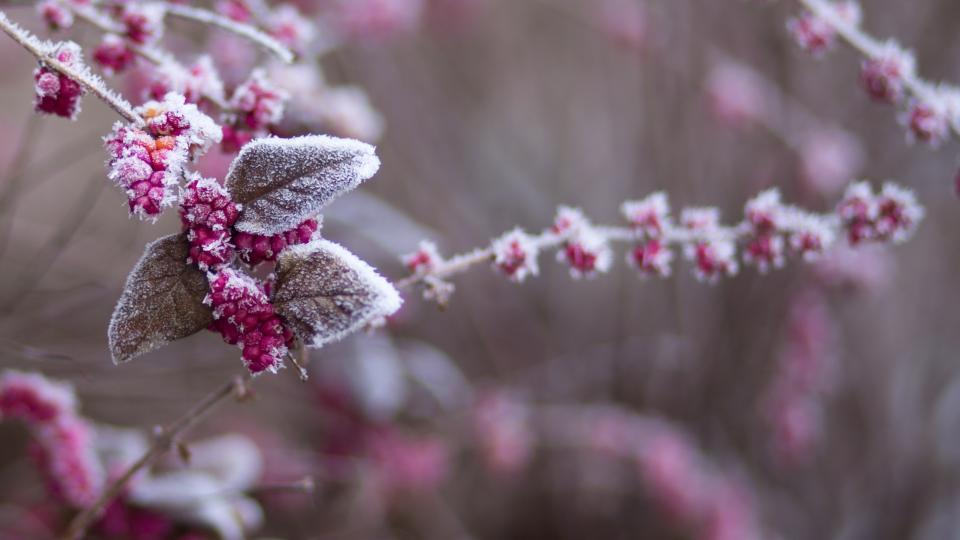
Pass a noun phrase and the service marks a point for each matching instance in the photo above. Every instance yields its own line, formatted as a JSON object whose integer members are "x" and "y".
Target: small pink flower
{"x": 424, "y": 260}
{"x": 290, "y": 27}
{"x": 259, "y": 102}
{"x": 587, "y": 252}
{"x": 55, "y": 14}
{"x": 928, "y": 121}
{"x": 515, "y": 254}
{"x": 113, "y": 55}
{"x": 651, "y": 258}
{"x": 810, "y": 236}
{"x": 143, "y": 22}
{"x": 55, "y": 93}
{"x": 883, "y": 77}
{"x": 649, "y": 216}
{"x": 858, "y": 212}
{"x": 898, "y": 213}
{"x": 815, "y": 35}
{"x": 713, "y": 259}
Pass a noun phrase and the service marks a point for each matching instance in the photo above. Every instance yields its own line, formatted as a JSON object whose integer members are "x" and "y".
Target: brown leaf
{"x": 282, "y": 182}
{"x": 162, "y": 301}
{"x": 324, "y": 292}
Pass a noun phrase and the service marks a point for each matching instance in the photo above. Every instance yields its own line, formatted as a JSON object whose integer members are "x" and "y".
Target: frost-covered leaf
{"x": 282, "y": 182}
{"x": 324, "y": 292}
{"x": 162, "y": 301}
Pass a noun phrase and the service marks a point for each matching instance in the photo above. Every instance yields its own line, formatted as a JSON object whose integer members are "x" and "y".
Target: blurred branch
{"x": 164, "y": 440}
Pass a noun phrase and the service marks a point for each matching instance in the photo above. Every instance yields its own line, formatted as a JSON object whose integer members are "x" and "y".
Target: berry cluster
{"x": 888, "y": 72}
{"x": 244, "y": 316}
{"x": 56, "y": 93}
{"x": 61, "y": 444}
{"x": 208, "y": 215}
{"x": 890, "y": 215}
{"x": 147, "y": 162}
{"x": 768, "y": 233}
{"x": 254, "y": 249}
{"x": 256, "y": 105}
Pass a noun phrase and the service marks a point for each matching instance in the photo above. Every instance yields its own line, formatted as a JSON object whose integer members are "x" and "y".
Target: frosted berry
{"x": 255, "y": 248}
{"x": 113, "y": 55}
{"x": 424, "y": 260}
{"x": 243, "y": 315}
{"x": 651, "y": 258}
{"x": 883, "y": 77}
{"x": 55, "y": 14}
{"x": 650, "y": 215}
{"x": 515, "y": 254}
{"x": 55, "y": 93}
{"x": 208, "y": 214}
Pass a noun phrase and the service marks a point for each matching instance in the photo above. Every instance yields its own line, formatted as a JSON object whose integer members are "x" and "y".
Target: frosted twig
{"x": 768, "y": 231}
{"x": 91, "y": 82}
{"x": 163, "y": 441}
{"x": 243, "y": 30}
{"x": 152, "y": 55}
{"x": 871, "y": 48}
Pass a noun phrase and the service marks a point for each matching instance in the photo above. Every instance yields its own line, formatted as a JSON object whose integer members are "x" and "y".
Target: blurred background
{"x": 818, "y": 401}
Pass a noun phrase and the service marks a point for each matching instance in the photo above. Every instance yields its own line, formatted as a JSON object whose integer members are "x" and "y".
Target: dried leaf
{"x": 282, "y": 182}
{"x": 324, "y": 292}
{"x": 162, "y": 301}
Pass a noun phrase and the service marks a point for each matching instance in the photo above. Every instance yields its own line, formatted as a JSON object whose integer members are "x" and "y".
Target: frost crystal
{"x": 324, "y": 292}
{"x": 282, "y": 182}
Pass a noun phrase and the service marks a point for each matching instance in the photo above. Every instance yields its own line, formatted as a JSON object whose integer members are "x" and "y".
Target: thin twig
{"x": 154, "y": 56}
{"x": 15, "y": 176}
{"x": 163, "y": 441}
{"x": 549, "y": 239}
{"x": 871, "y": 48}
{"x": 243, "y": 30}
{"x": 93, "y": 84}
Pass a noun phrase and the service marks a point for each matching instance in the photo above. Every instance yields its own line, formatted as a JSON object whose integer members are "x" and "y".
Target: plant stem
{"x": 243, "y": 30}
{"x": 162, "y": 443}
{"x": 90, "y": 82}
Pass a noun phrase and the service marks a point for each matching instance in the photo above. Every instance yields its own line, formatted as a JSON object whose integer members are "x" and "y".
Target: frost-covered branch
{"x": 164, "y": 440}
{"x": 769, "y": 232}
{"x": 888, "y": 72}
{"x": 244, "y": 30}
{"x": 63, "y": 58}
